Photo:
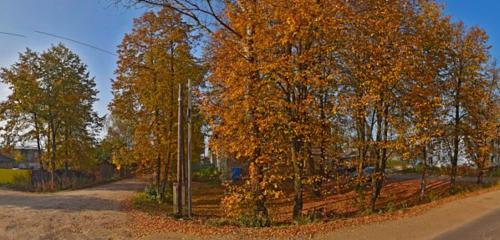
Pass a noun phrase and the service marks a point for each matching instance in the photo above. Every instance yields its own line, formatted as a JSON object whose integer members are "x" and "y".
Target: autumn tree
{"x": 119, "y": 143}
{"x": 52, "y": 102}
{"x": 23, "y": 107}
{"x": 482, "y": 120}
{"x": 376, "y": 61}
{"x": 68, "y": 97}
{"x": 422, "y": 112}
{"x": 153, "y": 60}
{"x": 468, "y": 60}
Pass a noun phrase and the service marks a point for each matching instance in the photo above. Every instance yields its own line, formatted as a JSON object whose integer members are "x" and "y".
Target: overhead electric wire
{"x": 13, "y": 34}
{"x": 77, "y": 42}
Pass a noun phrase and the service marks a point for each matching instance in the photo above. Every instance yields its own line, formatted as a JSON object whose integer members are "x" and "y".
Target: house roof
{"x": 5, "y": 159}
{"x": 25, "y": 148}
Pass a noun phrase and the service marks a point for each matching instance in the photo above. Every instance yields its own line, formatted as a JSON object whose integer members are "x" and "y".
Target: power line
{"x": 13, "y": 34}
{"x": 77, "y": 42}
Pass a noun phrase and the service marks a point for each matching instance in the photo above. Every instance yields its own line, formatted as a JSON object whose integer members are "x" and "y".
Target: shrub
{"x": 313, "y": 216}
{"x": 143, "y": 202}
{"x": 151, "y": 193}
{"x": 239, "y": 205}
{"x": 253, "y": 221}
{"x": 236, "y": 202}
{"x": 206, "y": 174}
{"x": 431, "y": 197}
{"x": 389, "y": 207}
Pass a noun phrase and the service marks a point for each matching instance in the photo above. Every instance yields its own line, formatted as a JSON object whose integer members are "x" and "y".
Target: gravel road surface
{"x": 93, "y": 213}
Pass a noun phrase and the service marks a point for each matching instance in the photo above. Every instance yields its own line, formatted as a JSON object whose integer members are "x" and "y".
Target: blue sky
{"x": 482, "y": 13}
{"x": 91, "y": 21}
{"x": 103, "y": 25}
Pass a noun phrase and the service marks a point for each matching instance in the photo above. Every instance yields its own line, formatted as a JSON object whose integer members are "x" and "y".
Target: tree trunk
{"x": 480, "y": 174}
{"x": 38, "y": 141}
{"x": 375, "y": 175}
{"x": 261, "y": 213}
{"x": 54, "y": 155}
{"x": 257, "y": 176}
{"x": 316, "y": 183}
{"x": 382, "y": 131}
{"x": 66, "y": 151}
{"x": 454, "y": 161}
{"x": 362, "y": 150}
{"x": 297, "y": 169}
{"x": 424, "y": 173}
{"x": 456, "y": 137}
{"x": 170, "y": 128}
{"x": 158, "y": 175}
{"x": 164, "y": 183}
{"x": 158, "y": 154}
{"x": 49, "y": 154}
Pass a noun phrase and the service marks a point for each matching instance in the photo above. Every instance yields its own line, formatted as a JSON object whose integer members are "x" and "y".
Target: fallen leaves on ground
{"x": 146, "y": 224}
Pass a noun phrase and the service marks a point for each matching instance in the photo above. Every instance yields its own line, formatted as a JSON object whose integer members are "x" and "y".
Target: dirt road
{"x": 484, "y": 228}
{"x": 470, "y": 218}
{"x": 92, "y": 213}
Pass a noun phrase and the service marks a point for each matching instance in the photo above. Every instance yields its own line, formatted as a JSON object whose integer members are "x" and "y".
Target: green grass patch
{"x": 143, "y": 202}
{"x": 207, "y": 174}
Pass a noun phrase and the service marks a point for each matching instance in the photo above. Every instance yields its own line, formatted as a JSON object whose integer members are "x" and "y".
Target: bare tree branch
{"x": 192, "y": 10}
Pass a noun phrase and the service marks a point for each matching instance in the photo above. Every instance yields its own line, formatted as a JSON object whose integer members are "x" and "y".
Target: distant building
{"x": 7, "y": 162}
{"x": 30, "y": 158}
{"x": 225, "y": 164}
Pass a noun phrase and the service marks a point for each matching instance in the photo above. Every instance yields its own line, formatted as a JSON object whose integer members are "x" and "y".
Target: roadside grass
{"x": 141, "y": 201}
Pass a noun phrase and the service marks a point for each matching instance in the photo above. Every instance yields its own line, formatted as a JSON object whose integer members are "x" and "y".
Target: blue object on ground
{"x": 235, "y": 174}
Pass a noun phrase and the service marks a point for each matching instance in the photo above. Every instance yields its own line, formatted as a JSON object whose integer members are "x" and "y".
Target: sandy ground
{"x": 444, "y": 222}
{"x": 486, "y": 228}
{"x": 93, "y": 213}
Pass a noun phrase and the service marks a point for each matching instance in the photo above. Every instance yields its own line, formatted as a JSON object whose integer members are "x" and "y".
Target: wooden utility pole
{"x": 180, "y": 158}
{"x": 182, "y": 188}
{"x": 188, "y": 115}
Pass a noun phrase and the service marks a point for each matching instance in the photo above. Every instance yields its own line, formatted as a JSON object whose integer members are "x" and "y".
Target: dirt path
{"x": 436, "y": 223}
{"x": 92, "y": 213}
